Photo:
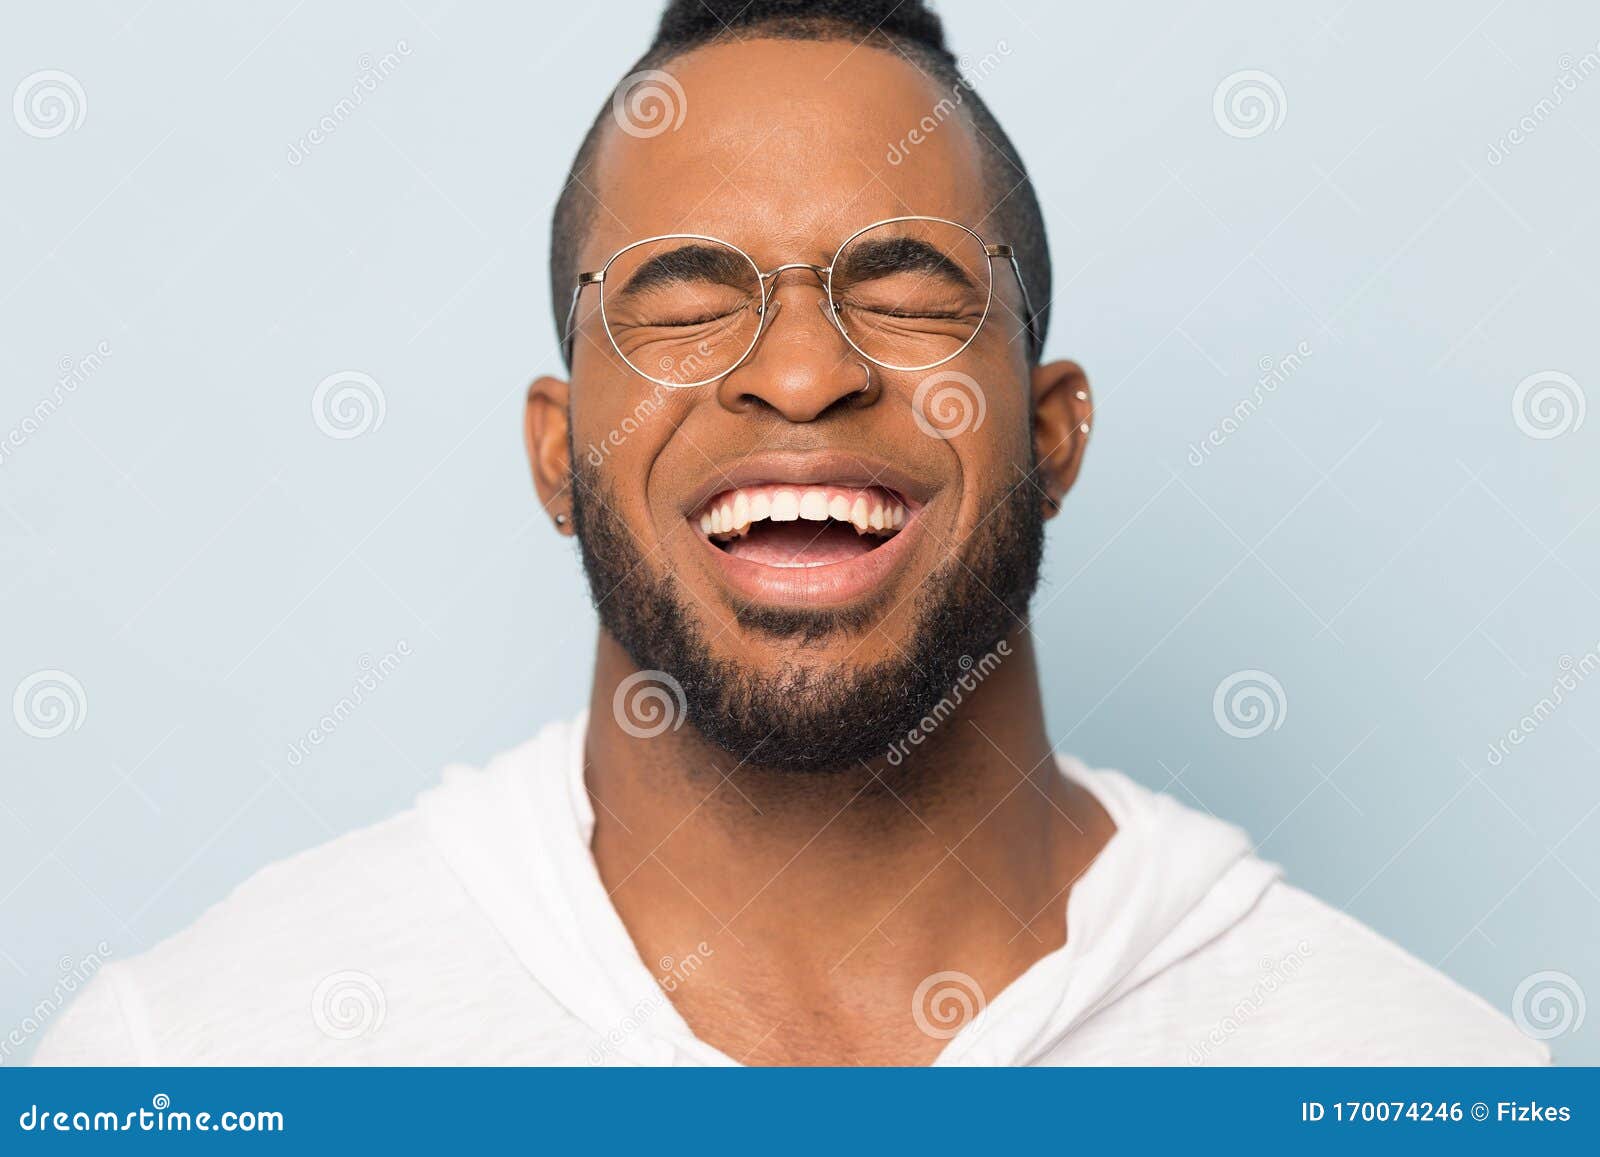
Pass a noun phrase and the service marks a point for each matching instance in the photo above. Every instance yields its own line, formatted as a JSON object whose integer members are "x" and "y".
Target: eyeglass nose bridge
{"x": 824, "y": 273}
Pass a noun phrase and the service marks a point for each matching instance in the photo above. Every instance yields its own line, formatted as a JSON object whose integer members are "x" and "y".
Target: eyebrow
{"x": 692, "y": 262}
{"x": 879, "y": 258}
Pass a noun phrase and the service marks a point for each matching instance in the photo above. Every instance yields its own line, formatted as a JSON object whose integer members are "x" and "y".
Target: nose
{"x": 802, "y": 367}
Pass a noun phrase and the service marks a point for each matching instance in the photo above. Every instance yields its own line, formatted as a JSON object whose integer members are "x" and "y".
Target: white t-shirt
{"x": 474, "y": 929}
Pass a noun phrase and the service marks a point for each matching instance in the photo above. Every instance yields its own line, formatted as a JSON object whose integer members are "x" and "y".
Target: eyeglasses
{"x": 908, "y": 293}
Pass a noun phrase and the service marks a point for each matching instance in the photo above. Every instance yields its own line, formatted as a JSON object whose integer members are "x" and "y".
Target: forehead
{"x": 785, "y": 148}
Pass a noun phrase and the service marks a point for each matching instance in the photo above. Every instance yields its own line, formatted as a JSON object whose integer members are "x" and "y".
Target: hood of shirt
{"x": 517, "y": 836}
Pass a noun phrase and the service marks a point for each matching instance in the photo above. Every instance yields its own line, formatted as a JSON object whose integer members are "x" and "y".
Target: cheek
{"x": 621, "y": 445}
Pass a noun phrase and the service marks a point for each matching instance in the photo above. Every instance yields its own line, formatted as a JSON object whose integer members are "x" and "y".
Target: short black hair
{"x": 907, "y": 27}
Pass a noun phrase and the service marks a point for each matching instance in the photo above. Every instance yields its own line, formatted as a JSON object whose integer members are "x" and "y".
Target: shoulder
{"x": 248, "y": 967}
{"x": 305, "y": 960}
{"x": 1310, "y": 984}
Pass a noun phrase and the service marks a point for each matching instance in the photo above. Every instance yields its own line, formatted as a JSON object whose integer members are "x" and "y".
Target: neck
{"x": 837, "y": 891}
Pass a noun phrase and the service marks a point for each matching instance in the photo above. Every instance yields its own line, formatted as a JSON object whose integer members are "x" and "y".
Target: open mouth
{"x": 788, "y": 526}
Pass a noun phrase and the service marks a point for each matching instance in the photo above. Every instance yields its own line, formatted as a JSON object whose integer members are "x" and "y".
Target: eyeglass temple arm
{"x": 567, "y": 333}
{"x": 1030, "y": 319}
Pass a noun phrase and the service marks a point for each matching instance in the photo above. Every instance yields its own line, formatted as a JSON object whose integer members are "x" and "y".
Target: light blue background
{"x": 1380, "y": 535}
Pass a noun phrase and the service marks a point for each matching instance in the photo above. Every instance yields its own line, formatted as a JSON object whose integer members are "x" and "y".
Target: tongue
{"x": 800, "y": 543}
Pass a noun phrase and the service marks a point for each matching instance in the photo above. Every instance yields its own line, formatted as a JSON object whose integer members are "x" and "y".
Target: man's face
{"x": 810, "y": 559}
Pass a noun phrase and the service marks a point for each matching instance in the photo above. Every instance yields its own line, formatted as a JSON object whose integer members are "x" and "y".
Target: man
{"x": 807, "y": 447}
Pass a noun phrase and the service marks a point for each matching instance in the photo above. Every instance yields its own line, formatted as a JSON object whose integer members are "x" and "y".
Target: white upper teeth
{"x": 869, "y": 511}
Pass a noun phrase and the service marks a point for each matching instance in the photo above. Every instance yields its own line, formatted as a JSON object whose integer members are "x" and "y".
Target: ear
{"x": 1062, "y": 411}
{"x": 544, "y": 430}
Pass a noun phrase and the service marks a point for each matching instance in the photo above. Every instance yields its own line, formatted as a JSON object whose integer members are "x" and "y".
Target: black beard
{"x": 802, "y": 719}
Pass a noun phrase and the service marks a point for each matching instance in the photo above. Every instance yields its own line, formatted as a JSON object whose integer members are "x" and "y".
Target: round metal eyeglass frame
{"x": 769, "y": 280}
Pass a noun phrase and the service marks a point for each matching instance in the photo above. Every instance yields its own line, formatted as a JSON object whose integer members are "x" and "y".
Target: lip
{"x": 836, "y": 584}
{"x": 809, "y": 467}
